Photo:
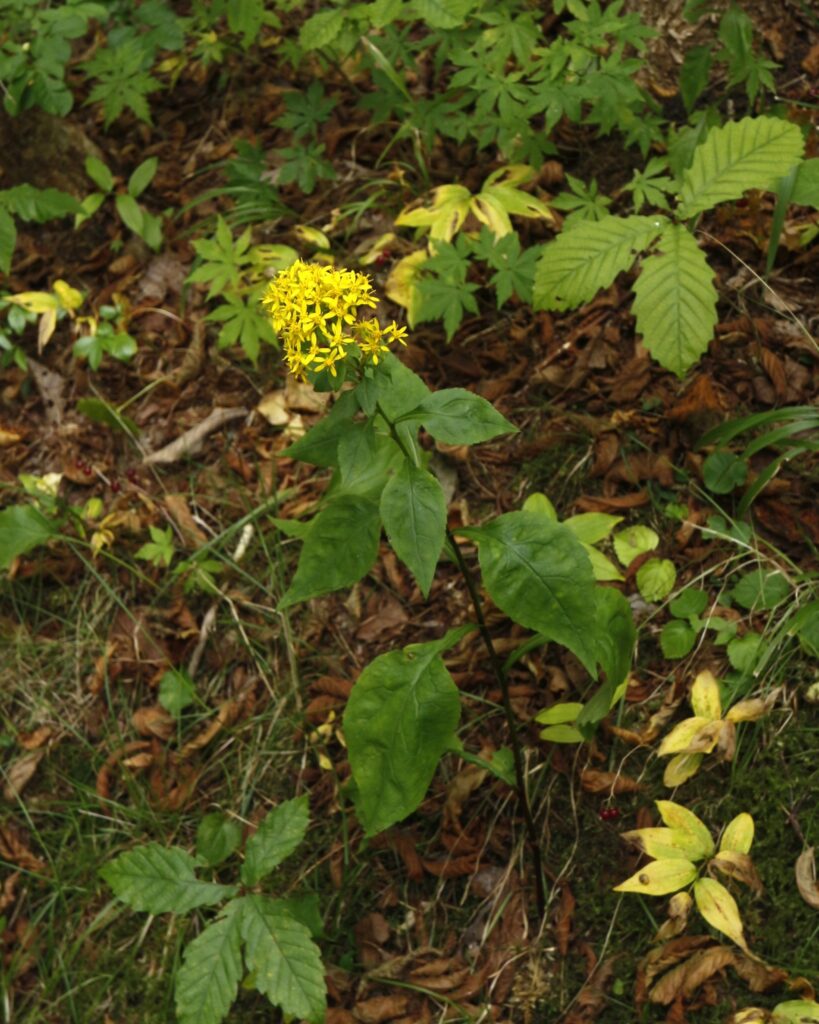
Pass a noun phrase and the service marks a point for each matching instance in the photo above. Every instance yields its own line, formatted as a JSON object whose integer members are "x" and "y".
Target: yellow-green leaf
{"x": 705, "y": 699}
{"x": 558, "y": 713}
{"x": 748, "y": 710}
{"x": 444, "y": 216}
{"x": 719, "y": 909}
{"x": 665, "y": 843}
{"x": 660, "y": 877}
{"x": 680, "y": 768}
{"x": 402, "y": 286}
{"x": 739, "y": 834}
{"x": 691, "y": 736}
{"x": 677, "y": 816}
{"x": 35, "y": 302}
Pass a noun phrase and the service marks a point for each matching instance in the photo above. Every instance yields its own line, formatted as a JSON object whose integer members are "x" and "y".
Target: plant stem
{"x": 517, "y": 749}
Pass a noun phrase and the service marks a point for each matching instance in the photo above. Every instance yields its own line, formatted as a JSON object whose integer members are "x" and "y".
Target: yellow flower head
{"x": 315, "y": 311}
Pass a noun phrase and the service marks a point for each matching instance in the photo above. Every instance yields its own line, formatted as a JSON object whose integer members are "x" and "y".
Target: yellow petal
{"x": 738, "y": 834}
{"x": 692, "y": 736}
{"x": 665, "y": 843}
{"x": 680, "y": 768}
{"x": 677, "y": 816}
{"x": 660, "y": 877}
{"x": 719, "y": 909}
{"x": 705, "y": 699}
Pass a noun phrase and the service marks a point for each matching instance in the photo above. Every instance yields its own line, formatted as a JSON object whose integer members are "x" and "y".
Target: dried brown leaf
{"x": 563, "y": 924}
{"x": 380, "y": 1009}
{"x": 153, "y": 721}
{"x": 20, "y": 772}
{"x": 805, "y": 870}
{"x": 594, "y": 781}
{"x": 686, "y": 978}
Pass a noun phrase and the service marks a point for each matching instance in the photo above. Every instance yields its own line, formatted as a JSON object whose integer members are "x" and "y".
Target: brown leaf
{"x": 20, "y": 772}
{"x": 404, "y": 845}
{"x": 35, "y": 740}
{"x": 371, "y": 933}
{"x": 758, "y": 975}
{"x": 229, "y": 711}
{"x": 153, "y": 721}
{"x": 451, "y": 867}
{"x": 806, "y": 883}
{"x": 596, "y": 503}
{"x": 563, "y": 924}
{"x": 15, "y": 851}
{"x": 379, "y": 1009}
{"x": 460, "y": 788}
{"x": 593, "y": 996}
{"x": 104, "y": 774}
{"x": 738, "y": 866}
{"x": 177, "y": 505}
{"x": 442, "y": 982}
{"x": 594, "y": 781}
{"x": 686, "y": 978}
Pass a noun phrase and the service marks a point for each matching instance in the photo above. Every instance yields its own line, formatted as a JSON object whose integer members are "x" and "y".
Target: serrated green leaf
{"x": 656, "y": 578}
{"x": 208, "y": 979}
{"x": 399, "y": 720}
{"x": 690, "y": 601}
{"x": 806, "y": 186}
{"x": 278, "y": 835}
{"x": 760, "y": 590}
{"x": 675, "y": 301}
{"x": 752, "y": 153}
{"x": 22, "y": 528}
{"x": 537, "y": 573}
{"x": 413, "y": 510}
{"x": 285, "y": 962}
{"x": 321, "y": 29}
{"x": 339, "y": 548}
{"x": 446, "y": 14}
{"x": 161, "y": 880}
{"x": 577, "y": 264}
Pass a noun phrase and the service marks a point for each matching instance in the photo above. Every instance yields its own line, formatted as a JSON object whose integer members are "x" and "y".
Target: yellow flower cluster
{"x": 314, "y": 310}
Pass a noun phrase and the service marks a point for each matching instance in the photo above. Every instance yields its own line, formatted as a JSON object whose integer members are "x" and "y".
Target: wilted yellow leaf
{"x": 738, "y": 866}
{"x": 311, "y": 236}
{"x": 680, "y": 768}
{"x": 443, "y": 216}
{"x": 679, "y": 907}
{"x": 69, "y": 297}
{"x": 35, "y": 302}
{"x": 660, "y": 877}
{"x": 677, "y": 816}
{"x": 806, "y": 878}
{"x": 705, "y": 699}
{"x": 738, "y": 834}
{"x": 692, "y": 736}
{"x": 750, "y": 1015}
{"x": 401, "y": 286}
{"x": 796, "y": 1011}
{"x": 719, "y": 909}
{"x": 665, "y": 843}
{"x": 45, "y": 329}
{"x": 748, "y": 710}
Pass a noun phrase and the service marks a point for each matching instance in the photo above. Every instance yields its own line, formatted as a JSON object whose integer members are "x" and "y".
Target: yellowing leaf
{"x": 677, "y": 816}
{"x": 719, "y": 909}
{"x": 557, "y": 713}
{"x": 750, "y": 1015}
{"x": 45, "y": 328}
{"x": 748, "y": 710}
{"x": 705, "y": 699}
{"x": 680, "y": 768}
{"x": 401, "y": 286}
{"x": 796, "y": 1011}
{"x": 444, "y": 216}
{"x": 69, "y": 297}
{"x": 738, "y": 834}
{"x": 691, "y": 736}
{"x": 311, "y": 236}
{"x": 660, "y": 877}
{"x": 35, "y": 302}
{"x": 665, "y": 843}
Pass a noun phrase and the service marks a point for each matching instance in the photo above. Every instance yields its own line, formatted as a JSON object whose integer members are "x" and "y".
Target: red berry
{"x": 116, "y": 486}
{"x": 608, "y": 813}
{"x": 80, "y": 463}
{"x": 131, "y": 474}
{"x": 87, "y": 470}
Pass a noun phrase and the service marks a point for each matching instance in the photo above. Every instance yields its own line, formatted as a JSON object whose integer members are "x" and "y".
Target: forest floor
{"x": 433, "y": 920}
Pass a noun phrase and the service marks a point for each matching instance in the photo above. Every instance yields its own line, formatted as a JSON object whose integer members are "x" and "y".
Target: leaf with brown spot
{"x": 805, "y": 870}
{"x": 594, "y": 781}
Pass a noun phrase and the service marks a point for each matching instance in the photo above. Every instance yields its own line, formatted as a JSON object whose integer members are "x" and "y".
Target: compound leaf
{"x": 161, "y": 880}
{"x": 208, "y": 980}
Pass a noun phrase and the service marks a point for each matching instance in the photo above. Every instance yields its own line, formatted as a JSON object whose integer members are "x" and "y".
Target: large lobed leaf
{"x": 284, "y": 960}
{"x": 399, "y": 720}
{"x": 161, "y": 880}
{"x": 579, "y": 262}
{"x": 675, "y": 301}
{"x": 752, "y": 153}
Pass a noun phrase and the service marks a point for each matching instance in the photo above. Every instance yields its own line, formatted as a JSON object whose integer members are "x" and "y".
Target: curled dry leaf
{"x": 20, "y": 773}
{"x": 594, "y": 781}
{"x": 738, "y": 866}
{"x": 380, "y": 1009}
{"x": 153, "y": 721}
{"x": 684, "y": 979}
{"x": 806, "y": 883}
{"x": 679, "y": 907}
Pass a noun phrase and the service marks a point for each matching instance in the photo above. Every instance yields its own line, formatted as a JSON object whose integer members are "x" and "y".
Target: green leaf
{"x": 217, "y": 837}
{"x": 457, "y": 416}
{"x": 321, "y": 29}
{"x": 740, "y": 155}
{"x": 744, "y": 652}
{"x": 99, "y": 173}
{"x": 339, "y": 548}
{"x": 677, "y": 639}
{"x": 278, "y": 835}
{"x": 760, "y": 590}
{"x": 806, "y": 186}
{"x": 446, "y": 14}
{"x": 591, "y": 527}
{"x": 579, "y": 262}
{"x": 690, "y": 602}
{"x": 142, "y": 176}
{"x": 656, "y": 578}
{"x": 99, "y": 411}
{"x": 208, "y": 979}
{"x": 413, "y": 510}
{"x": 399, "y": 720}
{"x": 694, "y": 74}
{"x": 633, "y": 542}
{"x": 675, "y": 301}
{"x": 22, "y": 528}
{"x": 796, "y": 1011}
{"x": 130, "y": 212}
{"x": 161, "y": 880}
{"x": 285, "y": 962}
{"x": 614, "y": 635}
{"x": 723, "y": 472}
{"x": 537, "y": 573}
{"x": 176, "y": 691}
{"x": 8, "y": 240}
{"x": 319, "y": 446}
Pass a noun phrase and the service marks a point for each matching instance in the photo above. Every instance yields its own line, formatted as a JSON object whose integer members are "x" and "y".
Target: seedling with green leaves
{"x": 681, "y": 851}
{"x": 132, "y": 214}
{"x": 675, "y": 300}
{"x": 266, "y": 941}
{"x": 106, "y": 335}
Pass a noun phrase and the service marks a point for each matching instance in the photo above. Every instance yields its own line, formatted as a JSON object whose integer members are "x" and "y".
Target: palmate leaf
{"x": 285, "y": 962}
{"x": 207, "y": 981}
{"x": 578, "y": 263}
{"x": 675, "y": 301}
{"x": 161, "y": 880}
{"x": 752, "y": 153}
